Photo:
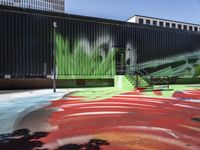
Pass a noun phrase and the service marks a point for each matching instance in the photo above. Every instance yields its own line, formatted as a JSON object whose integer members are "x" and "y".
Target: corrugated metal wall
{"x": 86, "y": 47}
{"x": 168, "y": 52}
{"x": 25, "y": 45}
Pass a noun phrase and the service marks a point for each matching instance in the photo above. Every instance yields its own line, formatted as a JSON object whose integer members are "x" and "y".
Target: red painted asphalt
{"x": 130, "y": 121}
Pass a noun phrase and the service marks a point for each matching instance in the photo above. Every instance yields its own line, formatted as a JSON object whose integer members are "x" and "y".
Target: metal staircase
{"x": 141, "y": 78}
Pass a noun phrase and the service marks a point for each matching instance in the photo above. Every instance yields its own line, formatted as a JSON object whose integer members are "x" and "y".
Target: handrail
{"x": 136, "y": 68}
{"x": 137, "y": 74}
{"x": 131, "y": 75}
{"x": 145, "y": 75}
{"x": 146, "y": 71}
{"x": 163, "y": 79}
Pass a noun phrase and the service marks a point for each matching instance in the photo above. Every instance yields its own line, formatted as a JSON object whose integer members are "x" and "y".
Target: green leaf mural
{"x": 182, "y": 65}
{"x": 83, "y": 61}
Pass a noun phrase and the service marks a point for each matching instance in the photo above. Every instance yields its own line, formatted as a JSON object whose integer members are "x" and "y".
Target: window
{"x": 141, "y": 21}
{"x": 179, "y": 26}
{"x": 155, "y": 22}
{"x": 161, "y": 23}
{"x": 148, "y": 22}
{"x": 190, "y": 28}
{"x": 185, "y": 27}
{"x": 173, "y": 25}
{"x": 196, "y": 29}
{"x": 167, "y": 24}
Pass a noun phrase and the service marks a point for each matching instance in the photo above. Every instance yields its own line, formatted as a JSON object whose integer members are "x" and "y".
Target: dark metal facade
{"x": 26, "y": 44}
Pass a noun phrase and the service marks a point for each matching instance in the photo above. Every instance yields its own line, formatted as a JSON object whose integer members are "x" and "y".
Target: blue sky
{"x": 180, "y": 10}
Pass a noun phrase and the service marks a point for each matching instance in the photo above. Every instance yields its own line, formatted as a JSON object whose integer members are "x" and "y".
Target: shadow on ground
{"x": 23, "y": 139}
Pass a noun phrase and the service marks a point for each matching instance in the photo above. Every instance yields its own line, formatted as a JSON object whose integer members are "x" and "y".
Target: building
{"x": 91, "y": 51}
{"x": 46, "y": 5}
{"x": 164, "y": 23}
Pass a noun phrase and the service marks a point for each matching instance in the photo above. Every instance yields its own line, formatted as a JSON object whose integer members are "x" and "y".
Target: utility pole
{"x": 54, "y": 56}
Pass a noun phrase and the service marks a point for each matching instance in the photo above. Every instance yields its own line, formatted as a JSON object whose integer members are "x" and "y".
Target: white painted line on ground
{"x": 105, "y": 103}
{"x": 136, "y": 99}
{"x": 170, "y": 132}
{"x": 144, "y": 96}
{"x": 98, "y": 113}
{"x": 186, "y": 106}
{"x": 96, "y": 107}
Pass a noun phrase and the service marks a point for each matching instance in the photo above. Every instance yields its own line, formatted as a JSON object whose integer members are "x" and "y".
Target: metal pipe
{"x": 54, "y": 56}
{"x": 137, "y": 78}
{"x": 168, "y": 82}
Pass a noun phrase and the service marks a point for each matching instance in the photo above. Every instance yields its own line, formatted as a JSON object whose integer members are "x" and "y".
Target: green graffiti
{"x": 197, "y": 71}
{"x": 84, "y": 61}
{"x": 184, "y": 66}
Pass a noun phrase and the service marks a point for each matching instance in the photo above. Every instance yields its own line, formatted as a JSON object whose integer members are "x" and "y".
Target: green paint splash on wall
{"x": 83, "y": 61}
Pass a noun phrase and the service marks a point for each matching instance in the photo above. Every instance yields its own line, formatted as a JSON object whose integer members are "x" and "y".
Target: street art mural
{"x": 159, "y": 56}
{"x": 86, "y": 60}
{"x": 112, "y": 121}
{"x": 91, "y": 48}
{"x": 182, "y": 65}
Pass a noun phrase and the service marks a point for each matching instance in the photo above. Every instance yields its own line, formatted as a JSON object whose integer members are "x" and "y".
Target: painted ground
{"x": 102, "y": 119}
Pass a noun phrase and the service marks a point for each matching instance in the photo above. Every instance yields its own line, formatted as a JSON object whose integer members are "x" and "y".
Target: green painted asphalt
{"x": 167, "y": 93}
{"x": 91, "y": 94}
{"x": 96, "y": 94}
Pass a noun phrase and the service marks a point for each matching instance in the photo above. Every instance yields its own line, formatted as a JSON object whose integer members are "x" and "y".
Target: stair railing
{"x": 134, "y": 73}
{"x": 142, "y": 73}
{"x": 132, "y": 77}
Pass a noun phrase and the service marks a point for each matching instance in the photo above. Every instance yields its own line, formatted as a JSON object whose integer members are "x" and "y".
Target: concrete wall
{"x": 8, "y": 84}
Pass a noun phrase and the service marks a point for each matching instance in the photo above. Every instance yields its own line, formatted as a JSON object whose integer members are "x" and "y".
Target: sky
{"x": 179, "y": 10}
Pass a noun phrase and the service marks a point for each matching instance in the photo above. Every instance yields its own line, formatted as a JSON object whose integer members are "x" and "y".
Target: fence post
{"x": 54, "y": 56}
{"x": 151, "y": 79}
{"x": 137, "y": 78}
{"x": 168, "y": 82}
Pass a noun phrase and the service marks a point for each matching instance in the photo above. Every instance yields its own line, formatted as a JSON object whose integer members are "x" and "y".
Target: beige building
{"x": 46, "y": 5}
{"x": 164, "y": 23}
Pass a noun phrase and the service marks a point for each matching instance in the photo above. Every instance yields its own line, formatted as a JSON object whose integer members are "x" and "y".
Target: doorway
{"x": 120, "y": 62}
